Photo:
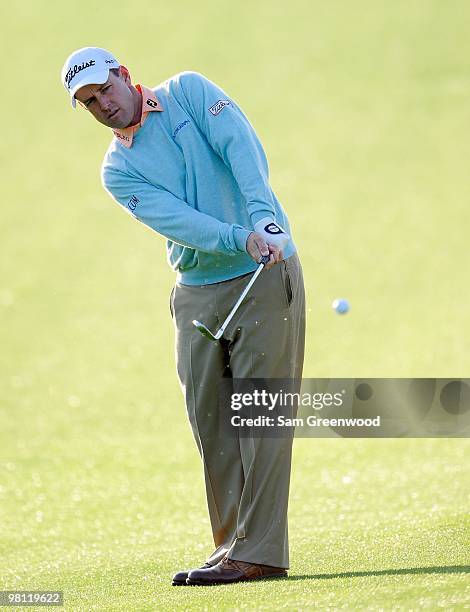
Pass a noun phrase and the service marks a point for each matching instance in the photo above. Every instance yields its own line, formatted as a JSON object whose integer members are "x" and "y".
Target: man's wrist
{"x": 240, "y": 236}
{"x": 259, "y": 215}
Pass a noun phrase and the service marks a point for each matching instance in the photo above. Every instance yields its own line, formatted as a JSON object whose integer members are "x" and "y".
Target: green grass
{"x": 363, "y": 111}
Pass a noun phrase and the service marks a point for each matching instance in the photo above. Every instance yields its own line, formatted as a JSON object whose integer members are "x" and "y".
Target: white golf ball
{"x": 340, "y": 305}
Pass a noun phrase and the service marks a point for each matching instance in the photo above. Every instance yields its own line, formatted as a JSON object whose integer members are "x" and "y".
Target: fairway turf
{"x": 363, "y": 111}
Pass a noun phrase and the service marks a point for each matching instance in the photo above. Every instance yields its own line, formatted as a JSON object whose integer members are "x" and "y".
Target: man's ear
{"x": 125, "y": 74}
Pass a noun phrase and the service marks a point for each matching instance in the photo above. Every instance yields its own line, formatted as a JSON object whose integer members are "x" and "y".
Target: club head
{"x": 204, "y": 331}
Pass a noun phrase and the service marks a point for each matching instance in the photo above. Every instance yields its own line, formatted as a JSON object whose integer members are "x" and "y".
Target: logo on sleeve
{"x": 152, "y": 103}
{"x": 133, "y": 202}
{"x": 219, "y": 106}
{"x": 180, "y": 127}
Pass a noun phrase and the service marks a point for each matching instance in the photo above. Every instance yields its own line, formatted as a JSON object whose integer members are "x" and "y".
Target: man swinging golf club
{"x": 186, "y": 162}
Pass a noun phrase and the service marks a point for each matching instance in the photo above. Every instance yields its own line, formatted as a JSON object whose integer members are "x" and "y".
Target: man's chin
{"x": 117, "y": 122}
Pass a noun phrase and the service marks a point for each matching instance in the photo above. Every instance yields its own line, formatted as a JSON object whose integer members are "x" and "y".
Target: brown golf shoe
{"x": 229, "y": 570}
{"x": 179, "y": 579}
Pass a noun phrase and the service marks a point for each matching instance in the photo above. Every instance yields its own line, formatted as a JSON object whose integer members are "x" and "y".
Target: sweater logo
{"x": 131, "y": 205}
{"x": 219, "y": 106}
{"x": 180, "y": 127}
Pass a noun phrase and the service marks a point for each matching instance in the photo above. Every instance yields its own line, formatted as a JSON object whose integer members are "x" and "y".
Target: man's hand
{"x": 256, "y": 247}
{"x": 272, "y": 232}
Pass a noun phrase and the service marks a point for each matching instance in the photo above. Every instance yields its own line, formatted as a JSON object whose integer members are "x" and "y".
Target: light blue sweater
{"x": 197, "y": 174}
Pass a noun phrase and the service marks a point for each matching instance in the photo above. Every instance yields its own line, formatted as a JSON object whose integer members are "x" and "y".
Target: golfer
{"x": 185, "y": 161}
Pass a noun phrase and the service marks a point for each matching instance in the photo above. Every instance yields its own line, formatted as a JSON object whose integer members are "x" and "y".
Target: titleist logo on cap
{"x": 75, "y": 70}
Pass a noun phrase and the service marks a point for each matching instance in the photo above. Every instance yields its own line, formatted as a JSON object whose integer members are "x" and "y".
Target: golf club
{"x": 206, "y": 332}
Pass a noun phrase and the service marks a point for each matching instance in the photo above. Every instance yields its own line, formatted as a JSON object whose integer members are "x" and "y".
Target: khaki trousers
{"x": 247, "y": 479}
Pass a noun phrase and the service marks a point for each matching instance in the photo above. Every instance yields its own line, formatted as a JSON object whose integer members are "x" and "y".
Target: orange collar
{"x": 150, "y": 103}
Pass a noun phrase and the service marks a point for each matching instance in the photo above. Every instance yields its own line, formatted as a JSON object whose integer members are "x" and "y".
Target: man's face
{"x": 111, "y": 103}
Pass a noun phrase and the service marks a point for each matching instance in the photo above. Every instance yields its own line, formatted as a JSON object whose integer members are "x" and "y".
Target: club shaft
{"x": 240, "y": 300}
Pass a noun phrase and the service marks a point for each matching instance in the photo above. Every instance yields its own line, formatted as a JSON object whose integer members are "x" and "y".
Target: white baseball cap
{"x": 90, "y": 65}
